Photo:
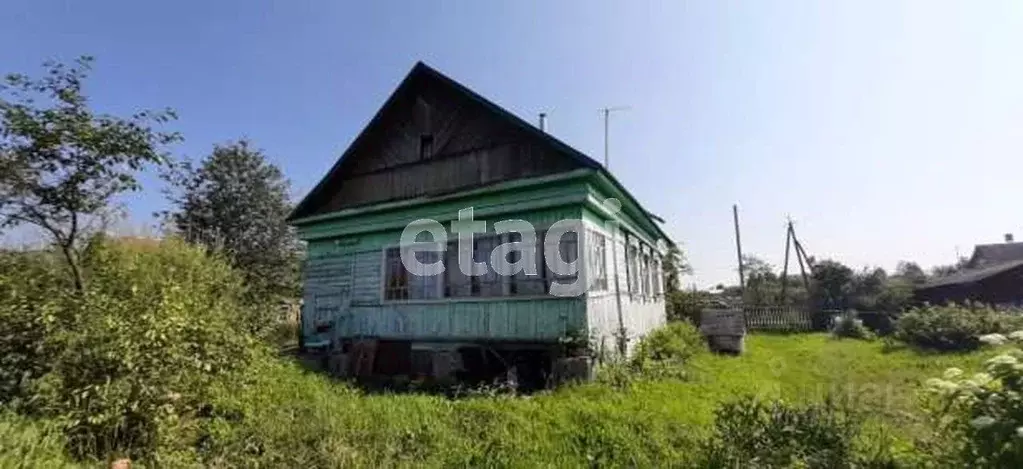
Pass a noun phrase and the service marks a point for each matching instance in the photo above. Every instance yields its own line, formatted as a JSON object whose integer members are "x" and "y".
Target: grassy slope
{"x": 800, "y": 367}
{"x": 650, "y": 423}
{"x": 296, "y": 418}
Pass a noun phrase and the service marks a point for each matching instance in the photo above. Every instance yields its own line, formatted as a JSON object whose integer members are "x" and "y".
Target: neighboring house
{"x": 993, "y": 275}
{"x": 434, "y": 148}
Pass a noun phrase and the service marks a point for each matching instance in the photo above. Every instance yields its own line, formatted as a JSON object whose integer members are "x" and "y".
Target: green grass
{"x": 27, "y": 443}
{"x": 288, "y": 416}
{"x": 301, "y": 418}
{"x": 884, "y": 383}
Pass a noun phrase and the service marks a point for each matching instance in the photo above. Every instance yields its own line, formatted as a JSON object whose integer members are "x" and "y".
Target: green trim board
{"x": 409, "y": 203}
{"x": 577, "y": 188}
{"x": 361, "y": 241}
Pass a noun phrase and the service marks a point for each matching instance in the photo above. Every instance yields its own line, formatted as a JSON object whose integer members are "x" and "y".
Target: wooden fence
{"x": 779, "y": 318}
{"x": 775, "y": 318}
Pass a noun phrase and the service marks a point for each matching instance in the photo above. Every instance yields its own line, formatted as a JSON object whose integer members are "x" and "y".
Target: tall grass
{"x": 26, "y": 443}
{"x": 151, "y": 363}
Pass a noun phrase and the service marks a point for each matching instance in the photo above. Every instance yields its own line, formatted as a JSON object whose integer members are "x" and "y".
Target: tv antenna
{"x": 607, "y": 118}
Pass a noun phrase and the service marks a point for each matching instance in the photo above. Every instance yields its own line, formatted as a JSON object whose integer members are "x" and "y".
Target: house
{"x": 432, "y": 154}
{"x": 993, "y": 275}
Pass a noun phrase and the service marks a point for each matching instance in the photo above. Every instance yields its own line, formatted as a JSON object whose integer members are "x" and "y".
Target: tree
{"x": 949, "y": 269}
{"x": 674, "y": 267}
{"x": 61, "y": 164}
{"x": 762, "y": 284}
{"x": 237, "y": 202}
{"x": 911, "y": 272}
{"x": 867, "y": 287}
{"x": 832, "y": 284}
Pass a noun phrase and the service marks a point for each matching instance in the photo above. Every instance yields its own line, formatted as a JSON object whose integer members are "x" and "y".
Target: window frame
{"x": 426, "y": 147}
{"x": 542, "y": 272}
{"x": 596, "y": 256}
{"x": 384, "y": 264}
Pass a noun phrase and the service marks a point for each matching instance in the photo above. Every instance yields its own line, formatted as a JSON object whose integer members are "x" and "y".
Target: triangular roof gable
{"x": 422, "y": 72}
{"x": 990, "y": 254}
{"x": 420, "y": 76}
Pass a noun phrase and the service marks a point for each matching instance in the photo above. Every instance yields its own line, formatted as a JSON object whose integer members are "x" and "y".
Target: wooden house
{"x": 993, "y": 275}
{"x": 435, "y": 148}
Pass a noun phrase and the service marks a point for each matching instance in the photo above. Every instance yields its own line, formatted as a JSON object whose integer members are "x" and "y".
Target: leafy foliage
{"x": 952, "y": 327}
{"x": 674, "y": 267}
{"x": 254, "y": 235}
{"x": 911, "y": 272}
{"x": 31, "y": 286}
{"x": 848, "y": 326}
{"x": 683, "y": 305}
{"x": 753, "y": 433}
{"x": 980, "y": 417}
{"x": 949, "y": 269}
{"x": 674, "y": 343}
{"x": 61, "y": 164}
{"x": 28, "y": 443}
{"x": 129, "y": 361}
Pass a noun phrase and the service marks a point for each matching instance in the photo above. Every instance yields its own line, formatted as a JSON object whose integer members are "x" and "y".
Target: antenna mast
{"x": 607, "y": 118}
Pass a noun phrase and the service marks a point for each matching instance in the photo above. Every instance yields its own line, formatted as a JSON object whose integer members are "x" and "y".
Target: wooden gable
{"x": 434, "y": 136}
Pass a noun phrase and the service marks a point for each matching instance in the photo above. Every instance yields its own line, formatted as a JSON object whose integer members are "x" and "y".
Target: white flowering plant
{"x": 983, "y": 412}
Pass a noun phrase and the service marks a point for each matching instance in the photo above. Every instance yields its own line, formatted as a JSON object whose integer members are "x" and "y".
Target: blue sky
{"x": 887, "y": 130}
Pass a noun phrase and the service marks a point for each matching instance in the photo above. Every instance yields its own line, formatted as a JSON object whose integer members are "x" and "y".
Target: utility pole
{"x": 738, "y": 248}
{"x": 607, "y": 118}
{"x": 785, "y": 268}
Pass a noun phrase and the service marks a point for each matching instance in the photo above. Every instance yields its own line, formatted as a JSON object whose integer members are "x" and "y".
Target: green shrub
{"x": 848, "y": 326}
{"x": 30, "y": 312}
{"x": 129, "y": 361}
{"x": 754, "y": 433}
{"x": 952, "y": 327}
{"x": 677, "y": 341}
{"x": 980, "y": 417}
{"x": 683, "y": 305}
{"x": 26, "y": 443}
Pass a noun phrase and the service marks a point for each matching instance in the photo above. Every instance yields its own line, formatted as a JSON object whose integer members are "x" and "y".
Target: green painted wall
{"x": 343, "y": 271}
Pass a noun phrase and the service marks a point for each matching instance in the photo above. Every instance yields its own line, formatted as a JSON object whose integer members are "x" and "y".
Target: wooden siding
{"x": 345, "y": 260}
{"x": 471, "y": 147}
{"x": 518, "y": 199}
{"x": 350, "y": 268}
{"x": 639, "y": 314}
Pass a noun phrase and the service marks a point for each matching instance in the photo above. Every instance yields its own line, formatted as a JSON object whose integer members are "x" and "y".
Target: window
{"x": 461, "y": 285}
{"x": 400, "y": 284}
{"x": 645, "y": 273}
{"x": 425, "y": 147}
{"x": 632, "y": 266}
{"x": 521, "y": 283}
{"x": 395, "y": 276}
{"x": 596, "y": 261}
{"x": 656, "y": 278}
{"x": 568, "y": 249}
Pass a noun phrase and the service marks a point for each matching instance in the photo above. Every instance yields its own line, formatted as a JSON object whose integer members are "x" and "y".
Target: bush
{"x": 675, "y": 342}
{"x": 753, "y": 433}
{"x": 849, "y": 326}
{"x": 684, "y": 305}
{"x": 128, "y": 362}
{"x": 30, "y": 313}
{"x": 27, "y": 443}
{"x": 952, "y": 327}
{"x": 980, "y": 417}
